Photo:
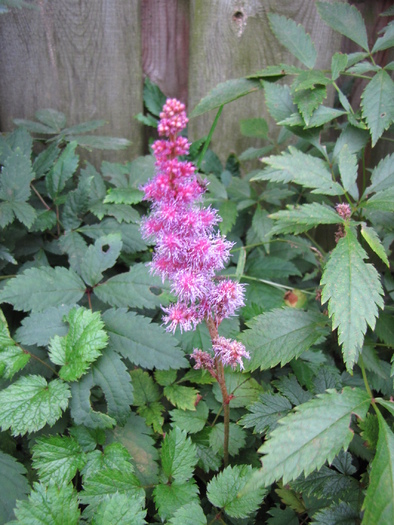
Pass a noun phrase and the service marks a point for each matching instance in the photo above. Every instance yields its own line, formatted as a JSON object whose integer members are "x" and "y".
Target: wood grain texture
{"x": 231, "y": 39}
{"x": 79, "y": 57}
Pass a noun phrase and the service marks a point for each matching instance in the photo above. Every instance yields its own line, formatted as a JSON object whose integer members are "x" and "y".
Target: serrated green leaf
{"x": 348, "y": 169}
{"x": 30, "y": 403}
{"x": 44, "y": 220}
{"x": 178, "y": 456}
{"x": 183, "y": 397}
{"x": 382, "y": 177}
{"x": 99, "y": 142}
{"x": 74, "y": 246}
{"x": 154, "y": 98}
{"x": 146, "y": 390}
{"x": 191, "y": 421}
{"x": 57, "y": 459}
{"x": 304, "y": 441}
{"x": 386, "y": 41}
{"x": 13, "y": 485}
{"x": 377, "y": 104}
{"x": 170, "y": 498}
{"x": 114, "y": 455}
{"x": 320, "y": 116}
{"x": 346, "y": 19}
{"x": 285, "y": 516}
{"x": 77, "y": 204}
{"x": 63, "y": 170}
{"x": 278, "y": 100}
{"x": 354, "y": 293}
{"x": 224, "y": 491}
{"x": 34, "y": 127}
{"x": 385, "y": 328}
{"x": 124, "y": 196}
{"x": 52, "y": 118}
{"x": 48, "y": 505}
{"x": 228, "y": 211}
{"x": 293, "y": 37}
{"x": 372, "y": 238}
{"x": 338, "y": 64}
{"x": 383, "y": 200}
{"x": 39, "y": 288}
{"x": 84, "y": 127}
{"x": 265, "y": 413}
{"x": 379, "y": 500}
{"x": 16, "y": 175}
{"x": 224, "y": 93}
{"x": 302, "y": 169}
{"x": 254, "y": 127}
{"x": 25, "y": 213}
{"x": 244, "y": 388}
{"x": 165, "y": 377}
{"x": 289, "y": 387}
{"x": 297, "y": 219}
{"x": 236, "y": 442}
{"x": 281, "y": 335}
{"x": 12, "y": 356}
{"x": 99, "y": 257}
{"x": 136, "y": 288}
{"x": 325, "y": 483}
{"x": 153, "y": 415}
{"x": 88, "y": 438}
{"x": 338, "y": 513}
{"x": 77, "y": 350}
{"x": 308, "y": 100}
{"x": 142, "y": 342}
{"x": 118, "y": 510}
{"x": 39, "y": 328}
{"x": 111, "y": 375}
{"x": 189, "y": 514}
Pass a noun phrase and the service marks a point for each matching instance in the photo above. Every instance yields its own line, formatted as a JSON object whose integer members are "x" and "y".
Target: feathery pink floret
{"x": 230, "y": 352}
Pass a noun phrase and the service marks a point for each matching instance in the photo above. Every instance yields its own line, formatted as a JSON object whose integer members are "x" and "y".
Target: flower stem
{"x": 208, "y": 141}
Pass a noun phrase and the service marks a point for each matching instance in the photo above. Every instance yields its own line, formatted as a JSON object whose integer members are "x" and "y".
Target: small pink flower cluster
{"x": 344, "y": 211}
{"x": 189, "y": 252}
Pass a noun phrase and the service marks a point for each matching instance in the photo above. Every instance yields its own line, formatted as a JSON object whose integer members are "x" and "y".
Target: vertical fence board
{"x": 76, "y": 56}
{"x": 231, "y": 39}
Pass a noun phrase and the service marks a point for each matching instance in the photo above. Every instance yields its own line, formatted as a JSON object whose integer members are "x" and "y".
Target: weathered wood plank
{"x": 231, "y": 39}
{"x": 79, "y": 57}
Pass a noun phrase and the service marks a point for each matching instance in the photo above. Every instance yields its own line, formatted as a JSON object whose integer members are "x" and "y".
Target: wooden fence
{"x": 88, "y": 59}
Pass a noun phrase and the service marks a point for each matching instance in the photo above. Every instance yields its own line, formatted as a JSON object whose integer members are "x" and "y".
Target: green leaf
{"x": 57, "y": 459}
{"x": 225, "y": 491}
{"x": 13, "y": 486}
{"x": 379, "y": 500}
{"x": 189, "y": 514}
{"x": 48, "y": 505}
{"x": 254, "y": 127}
{"x": 348, "y": 168}
{"x": 372, "y": 238}
{"x": 136, "y": 288}
{"x": 280, "y": 516}
{"x": 244, "y": 388}
{"x": 304, "y": 440}
{"x": 165, "y": 377}
{"x": 39, "y": 328}
{"x": 281, "y": 335}
{"x": 178, "y": 456}
{"x": 278, "y": 100}
{"x": 382, "y": 177}
{"x": 37, "y": 289}
{"x": 236, "y": 442}
{"x": 325, "y": 483}
{"x": 30, "y": 403}
{"x": 338, "y": 513}
{"x": 302, "y": 169}
{"x": 321, "y": 116}
{"x": 170, "y": 498}
{"x": 111, "y": 375}
{"x": 99, "y": 257}
{"x": 265, "y": 413}
{"x": 12, "y": 357}
{"x": 84, "y": 127}
{"x": 354, "y": 293}
{"x": 22, "y": 211}
{"x": 99, "y": 142}
{"x": 183, "y": 397}
{"x": 154, "y": 98}
{"x": 144, "y": 343}
{"x": 382, "y": 201}
{"x": 297, "y": 219}
{"x": 145, "y": 389}
{"x": 308, "y": 100}
{"x": 52, "y": 118}
{"x": 191, "y": 421}
{"x": 113, "y": 455}
{"x": 387, "y": 40}
{"x": 224, "y": 93}
{"x": 292, "y": 36}
{"x": 346, "y": 19}
{"x": 153, "y": 415}
{"x": 124, "y": 196}
{"x": 74, "y": 246}
{"x": 62, "y": 171}
{"x": 77, "y": 204}
{"x": 118, "y": 509}
{"x": 338, "y": 64}
{"x": 228, "y": 212}
{"x": 77, "y": 350}
{"x": 378, "y": 105}
{"x": 15, "y": 177}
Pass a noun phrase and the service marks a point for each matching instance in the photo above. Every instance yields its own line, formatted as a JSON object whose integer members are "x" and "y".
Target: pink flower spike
{"x": 203, "y": 360}
{"x": 230, "y": 352}
{"x": 179, "y": 314}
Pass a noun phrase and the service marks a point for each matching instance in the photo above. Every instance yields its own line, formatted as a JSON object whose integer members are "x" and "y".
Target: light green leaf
{"x": 374, "y": 242}
{"x": 348, "y": 169}
{"x": 30, "y": 403}
{"x": 57, "y": 459}
{"x": 309, "y": 100}
{"x": 297, "y": 219}
{"x": 338, "y": 64}
{"x": 189, "y": 514}
{"x": 244, "y": 388}
{"x": 154, "y": 98}
{"x": 153, "y": 415}
{"x": 124, "y": 196}
{"x": 382, "y": 177}
{"x": 144, "y": 343}
{"x": 13, "y": 485}
{"x": 118, "y": 509}
{"x": 48, "y": 505}
{"x": 377, "y": 104}
{"x": 165, "y": 377}
{"x": 178, "y": 456}
{"x": 171, "y": 497}
{"x": 300, "y": 168}
{"x": 278, "y": 100}
{"x": 383, "y": 200}
{"x": 265, "y": 413}
{"x": 183, "y": 397}
{"x": 62, "y": 171}
{"x": 228, "y": 212}
{"x": 113, "y": 455}
{"x": 39, "y": 288}
{"x": 145, "y": 389}
{"x": 136, "y": 288}
{"x": 15, "y": 177}
{"x": 379, "y": 500}
{"x": 99, "y": 257}
{"x": 77, "y": 350}
{"x": 224, "y": 93}
{"x": 387, "y": 40}
{"x": 346, "y": 19}
{"x": 111, "y": 375}
{"x": 354, "y": 293}
{"x": 293, "y": 37}
{"x": 304, "y": 441}
{"x": 12, "y": 356}
{"x": 281, "y": 335}
{"x": 39, "y": 328}
{"x": 52, "y": 118}
{"x": 191, "y": 421}
{"x": 99, "y": 142}
{"x": 236, "y": 442}
{"x": 225, "y": 491}
{"x": 320, "y": 116}
{"x": 254, "y": 127}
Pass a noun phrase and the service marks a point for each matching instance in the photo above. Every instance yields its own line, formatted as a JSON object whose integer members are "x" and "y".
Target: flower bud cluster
{"x": 189, "y": 251}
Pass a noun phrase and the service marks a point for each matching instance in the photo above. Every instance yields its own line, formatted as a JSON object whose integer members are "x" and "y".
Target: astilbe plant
{"x": 190, "y": 253}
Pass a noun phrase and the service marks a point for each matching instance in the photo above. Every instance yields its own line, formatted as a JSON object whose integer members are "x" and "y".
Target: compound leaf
{"x": 81, "y": 346}
{"x": 30, "y": 403}
{"x": 191, "y": 421}
{"x": 354, "y": 293}
{"x": 38, "y": 328}
{"x": 298, "y": 219}
{"x": 281, "y": 335}
{"x": 304, "y": 441}
{"x": 225, "y": 491}
{"x": 12, "y": 357}
{"x": 15, "y": 177}
{"x": 183, "y": 397}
